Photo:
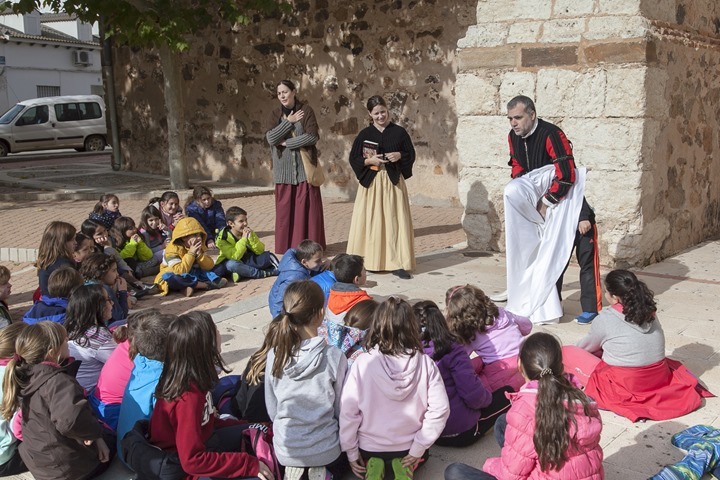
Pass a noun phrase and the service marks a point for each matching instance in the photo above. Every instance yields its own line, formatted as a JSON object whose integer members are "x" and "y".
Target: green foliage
{"x": 152, "y": 23}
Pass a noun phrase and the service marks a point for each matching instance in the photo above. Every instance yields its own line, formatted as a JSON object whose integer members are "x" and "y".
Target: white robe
{"x": 538, "y": 250}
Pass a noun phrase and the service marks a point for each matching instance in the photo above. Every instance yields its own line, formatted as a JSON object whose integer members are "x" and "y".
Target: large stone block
{"x": 618, "y": 52}
{"x": 475, "y": 95}
{"x": 524, "y": 32}
{"x": 620, "y": 7}
{"x": 626, "y": 93}
{"x": 549, "y": 56}
{"x": 566, "y": 30}
{"x": 516, "y": 83}
{"x": 600, "y": 28}
{"x": 572, "y": 8}
{"x": 512, "y": 10}
{"x": 567, "y": 92}
{"x": 634, "y": 242}
{"x": 495, "y": 57}
{"x": 657, "y": 104}
{"x": 482, "y": 141}
{"x": 606, "y": 144}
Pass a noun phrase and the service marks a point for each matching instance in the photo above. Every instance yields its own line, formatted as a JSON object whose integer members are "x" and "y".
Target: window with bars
{"x": 48, "y": 91}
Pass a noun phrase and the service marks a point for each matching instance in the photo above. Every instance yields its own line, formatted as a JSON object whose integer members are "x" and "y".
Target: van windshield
{"x": 10, "y": 115}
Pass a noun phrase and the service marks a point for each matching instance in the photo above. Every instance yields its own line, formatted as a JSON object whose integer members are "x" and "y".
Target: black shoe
{"x": 138, "y": 294}
{"x": 153, "y": 289}
{"x": 402, "y": 273}
{"x": 219, "y": 283}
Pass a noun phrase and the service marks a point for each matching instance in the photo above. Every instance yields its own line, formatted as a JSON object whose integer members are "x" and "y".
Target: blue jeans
{"x": 499, "y": 429}
{"x": 177, "y": 282}
{"x": 235, "y": 266}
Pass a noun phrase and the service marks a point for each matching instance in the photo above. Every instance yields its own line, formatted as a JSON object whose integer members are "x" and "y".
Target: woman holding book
{"x": 292, "y": 132}
{"x": 381, "y": 229}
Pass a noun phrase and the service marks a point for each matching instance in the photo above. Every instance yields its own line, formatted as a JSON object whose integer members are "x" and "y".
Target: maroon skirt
{"x": 298, "y": 216}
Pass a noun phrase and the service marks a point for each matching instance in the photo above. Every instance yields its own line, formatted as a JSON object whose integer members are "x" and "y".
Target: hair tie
{"x": 546, "y": 371}
{"x": 453, "y": 291}
{"x": 17, "y": 358}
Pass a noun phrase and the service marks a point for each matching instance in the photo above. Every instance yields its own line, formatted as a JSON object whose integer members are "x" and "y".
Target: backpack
{"x": 224, "y": 391}
{"x": 258, "y": 441}
{"x": 147, "y": 460}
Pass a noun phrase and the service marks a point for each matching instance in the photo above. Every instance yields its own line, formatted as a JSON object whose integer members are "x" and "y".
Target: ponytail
{"x": 637, "y": 299}
{"x": 12, "y": 383}
{"x": 541, "y": 360}
{"x": 302, "y": 303}
{"x": 255, "y": 371}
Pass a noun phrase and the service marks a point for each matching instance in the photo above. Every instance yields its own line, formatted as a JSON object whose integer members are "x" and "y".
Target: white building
{"x": 41, "y": 61}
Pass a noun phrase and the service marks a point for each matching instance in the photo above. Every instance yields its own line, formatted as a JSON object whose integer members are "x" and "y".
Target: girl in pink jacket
{"x": 552, "y": 430}
{"x": 393, "y": 405}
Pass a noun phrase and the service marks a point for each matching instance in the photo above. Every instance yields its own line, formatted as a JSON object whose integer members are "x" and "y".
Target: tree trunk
{"x": 175, "y": 118}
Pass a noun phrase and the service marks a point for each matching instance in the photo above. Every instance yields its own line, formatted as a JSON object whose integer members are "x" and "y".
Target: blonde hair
{"x": 8, "y": 336}
{"x": 255, "y": 370}
{"x": 35, "y": 344}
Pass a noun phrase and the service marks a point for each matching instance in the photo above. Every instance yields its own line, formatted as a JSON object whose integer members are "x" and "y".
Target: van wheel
{"x": 4, "y": 148}
{"x": 95, "y": 143}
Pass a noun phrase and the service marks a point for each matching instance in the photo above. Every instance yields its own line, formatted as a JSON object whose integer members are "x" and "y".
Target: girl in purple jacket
{"x": 473, "y": 409}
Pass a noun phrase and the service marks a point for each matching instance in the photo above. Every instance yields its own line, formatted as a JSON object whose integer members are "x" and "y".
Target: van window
{"x": 33, "y": 116}
{"x": 10, "y": 115}
{"x": 70, "y": 112}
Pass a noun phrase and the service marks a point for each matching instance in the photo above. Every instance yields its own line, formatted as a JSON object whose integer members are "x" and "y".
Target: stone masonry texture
{"x": 338, "y": 54}
{"x": 636, "y": 87}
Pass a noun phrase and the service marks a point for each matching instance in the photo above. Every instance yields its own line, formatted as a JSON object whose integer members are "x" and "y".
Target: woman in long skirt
{"x": 381, "y": 230}
{"x": 298, "y": 204}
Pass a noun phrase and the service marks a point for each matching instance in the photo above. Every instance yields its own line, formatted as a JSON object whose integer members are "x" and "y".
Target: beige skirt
{"x": 381, "y": 229}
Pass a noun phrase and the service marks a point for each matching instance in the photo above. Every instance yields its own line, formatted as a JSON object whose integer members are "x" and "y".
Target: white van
{"x": 76, "y": 121}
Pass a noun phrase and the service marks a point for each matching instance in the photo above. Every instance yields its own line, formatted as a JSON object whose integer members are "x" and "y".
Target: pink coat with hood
{"x": 391, "y": 404}
{"x": 519, "y": 460}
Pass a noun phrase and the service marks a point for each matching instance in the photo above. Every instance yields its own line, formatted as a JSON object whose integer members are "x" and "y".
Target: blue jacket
{"x": 291, "y": 270}
{"x": 139, "y": 397}
{"x": 326, "y": 280}
{"x": 212, "y": 219}
{"x": 48, "y": 308}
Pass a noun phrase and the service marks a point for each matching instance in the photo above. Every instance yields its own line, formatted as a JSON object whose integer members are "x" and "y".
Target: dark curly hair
{"x": 636, "y": 298}
{"x": 469, "y": 311}
{"x": 96, "y": 265}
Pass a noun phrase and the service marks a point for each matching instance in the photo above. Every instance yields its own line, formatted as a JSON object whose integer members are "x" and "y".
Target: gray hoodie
{"x": 624, "y": 344}
{"x": 304, "y": 404}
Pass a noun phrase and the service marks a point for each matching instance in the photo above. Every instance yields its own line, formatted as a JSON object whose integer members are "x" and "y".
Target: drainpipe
{"x": 107, "y": 68}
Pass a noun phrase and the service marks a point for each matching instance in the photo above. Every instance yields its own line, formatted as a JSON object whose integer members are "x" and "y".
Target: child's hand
{"x": 247, "y": 232}
{"x": 358, "y": 467}
{"x": 264, "y": 471}
{"x": 178, "y": 216}
{"x": 103, "y": 450}
{"x": 136, "y": 238}
{"x": 120, "y": 285}
{"x": 103, "y": 240}
{"x": 196, "y": 246}
{"x": 410, "y": 461}
{"x": 211, "y": 244}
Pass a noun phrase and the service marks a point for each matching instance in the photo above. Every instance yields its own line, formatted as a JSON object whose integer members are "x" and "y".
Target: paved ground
{"x": 687, "y": 287}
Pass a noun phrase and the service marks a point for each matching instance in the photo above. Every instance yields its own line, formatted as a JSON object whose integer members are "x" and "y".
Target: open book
{"x": 370, "y": 149}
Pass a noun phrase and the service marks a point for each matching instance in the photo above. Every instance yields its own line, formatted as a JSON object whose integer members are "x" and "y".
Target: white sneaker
{"x": 499, "y": 297}
{"x": 294, "y": 473}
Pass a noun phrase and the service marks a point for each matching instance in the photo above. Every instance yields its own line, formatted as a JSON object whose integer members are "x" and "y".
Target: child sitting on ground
{"x": 55, "y": 251}
{"x": 552, "y": 429}
{"x": 184, "y": 420}
{"x": 105, "y": 399}
{"x": 491, "y": 333}
{"x": 473, "y": 409}
{"x": 102, "y": 269}
{"x": 304, "y": 377}
{"x": 186, "y": 267}
{"x": 242, "y": 253}
{"x": 168, "y": 204}
{"x": 209, "y": 212}
{"x": 106, "y": 210}
{"x": 326, "y": 279}
{"x": 155, "y": 233}
{"x": 394, "y": 405}
{"x": 10, "y": 461}
{"x": 53, "y": 307}
{"x": 132, "y": 248}
{"x": 147, "y": 347}
{"x": 634, "y": 378}
{"x": 349, "y": 337}
{"x": 5, "y": 288}
{"x": 299, "y": 263}
{"x": 351, "y": 275}
{"x": 61, "y": 437}
{"x": 84, "y": 246}
{"x": 90, "y": 341}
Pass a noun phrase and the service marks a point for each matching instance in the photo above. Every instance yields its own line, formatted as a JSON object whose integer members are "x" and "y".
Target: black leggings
{"x": 488, "y": 417}
{"x": 13, "y": 466}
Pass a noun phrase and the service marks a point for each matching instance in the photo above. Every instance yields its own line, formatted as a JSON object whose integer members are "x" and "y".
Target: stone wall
{"x": 635, "y": 86}
{"x": 339, "y": 55}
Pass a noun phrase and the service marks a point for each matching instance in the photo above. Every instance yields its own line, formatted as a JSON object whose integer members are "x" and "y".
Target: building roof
{"x": 49, "y": 35}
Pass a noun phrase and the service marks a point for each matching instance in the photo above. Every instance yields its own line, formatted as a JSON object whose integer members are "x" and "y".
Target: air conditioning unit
{"x": 81, "y": 57}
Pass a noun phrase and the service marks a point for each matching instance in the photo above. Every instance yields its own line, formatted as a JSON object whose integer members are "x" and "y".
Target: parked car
{"x": 76, "y": 121}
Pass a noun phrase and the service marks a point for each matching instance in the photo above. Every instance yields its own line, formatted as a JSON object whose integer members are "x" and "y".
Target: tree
{"x": 165, "y": 25}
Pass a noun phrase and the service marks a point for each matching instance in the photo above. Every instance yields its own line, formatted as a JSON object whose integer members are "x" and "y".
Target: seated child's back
{"x": 297, "y": 264}
{"x": 346, "y": 292}
{"x": 53, "y": 307}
